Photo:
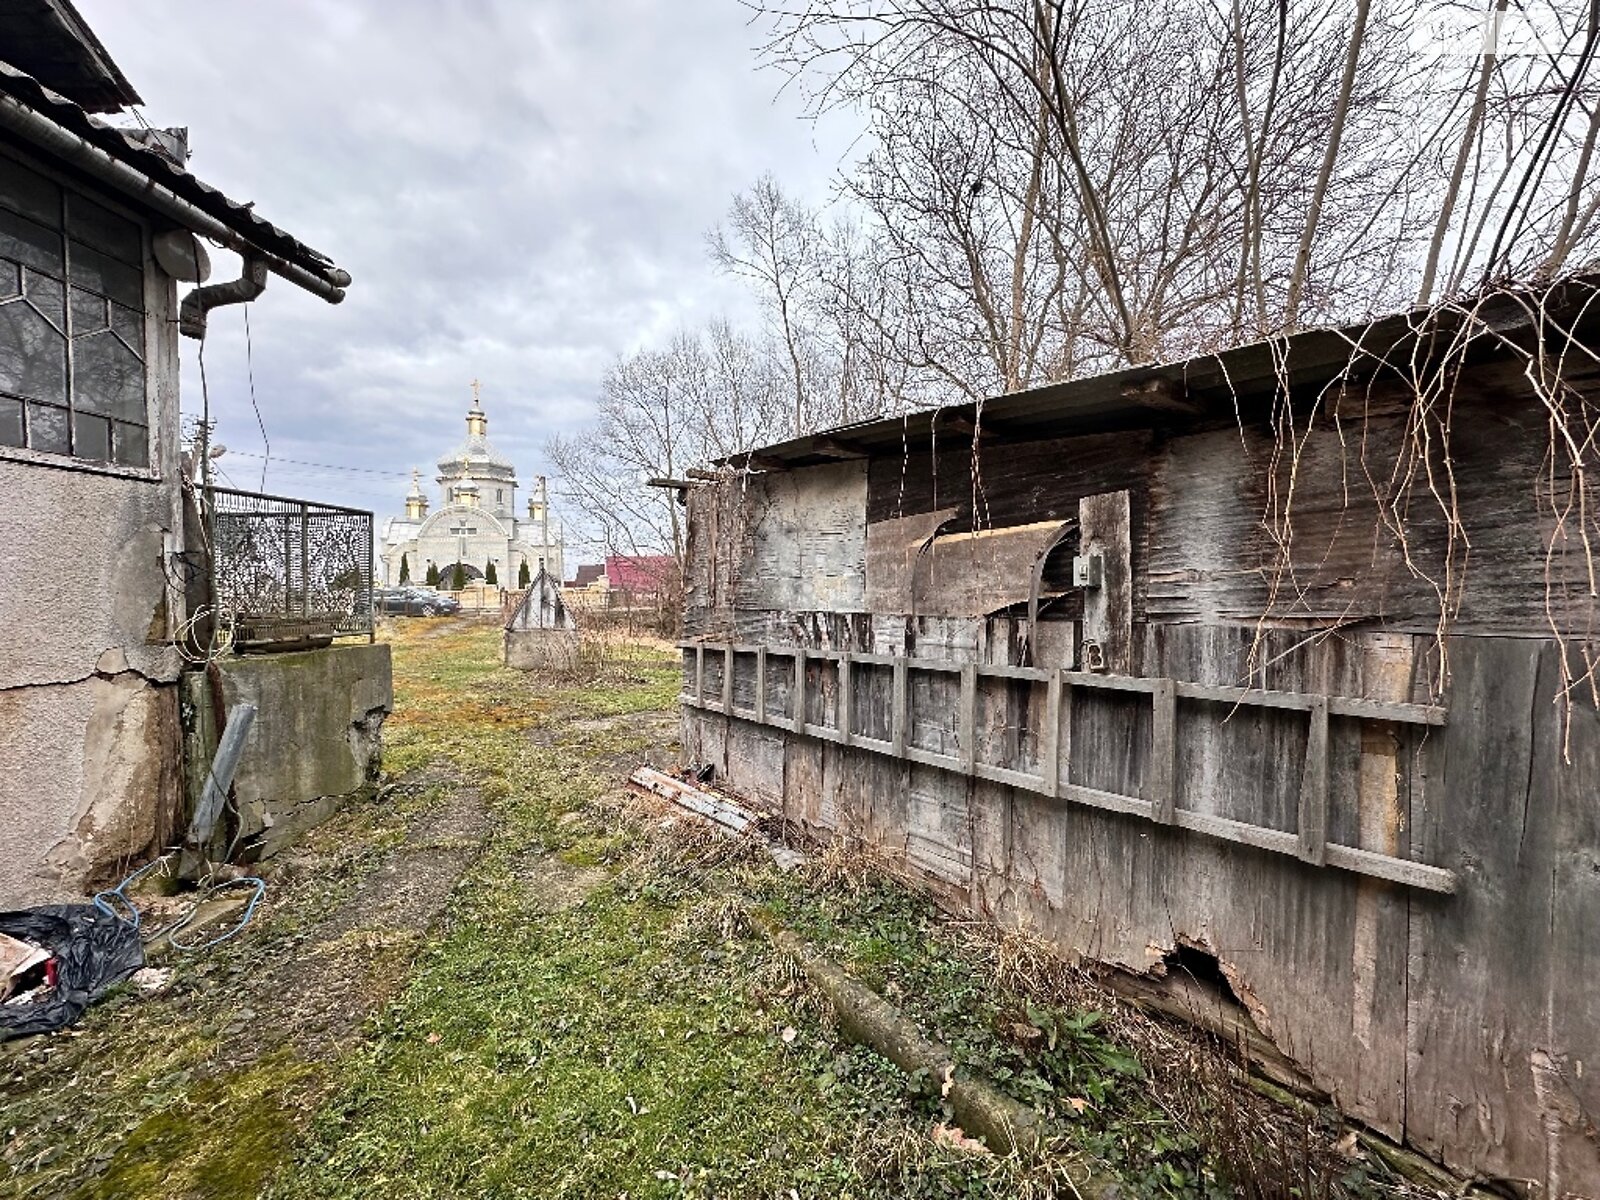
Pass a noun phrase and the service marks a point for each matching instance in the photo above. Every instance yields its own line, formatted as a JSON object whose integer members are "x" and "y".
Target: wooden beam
{"x": 833, "y": 447}
{"x": 967, "y": 734}
{"x": 1347, "y": 858}
{"x": 1162, "y": 395}
{"x": 1105, "y": 528}
{"x": 800, "y": 690}
{"x": 765, "y": 462}
{"x": 1052, "y": 734}
{"x": 1163, "y": 753}
{"x": 899, "y": 734}
{"x": 1303, "y": 844}
{"x": 727, "y": 680}
{"x": 846, "y": 700}
{"x": 1313, "y": 822}
{"x": 761, "y": 683}
{"x": 954, "y": 421}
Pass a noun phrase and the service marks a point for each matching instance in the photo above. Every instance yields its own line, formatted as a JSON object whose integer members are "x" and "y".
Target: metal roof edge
{"x": 1111, "y": 399}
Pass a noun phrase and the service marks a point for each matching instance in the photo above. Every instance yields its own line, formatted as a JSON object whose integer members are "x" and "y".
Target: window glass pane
{"x": 107, "y": 377}
{"x": 129, "y": 326}
{"x": 103, "y": 229}
{"x": 33, "y": 355}
{"x": 10, "y": 279}
{"x": 91, "y": 437}
{"x": 29, "y": 242}
{"x": 48, "y": 295}
{"x": 88, "y": 312}
{"x": 30, "y": 193}
{"x": 47, "y": 428}
{"x": 132, "y": 444}
{"x": 106, "y": 275}
{"x": 10, "y": 422}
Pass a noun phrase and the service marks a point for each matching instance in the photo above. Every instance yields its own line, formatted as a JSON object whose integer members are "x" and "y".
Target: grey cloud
{"x": 520, "y": 190}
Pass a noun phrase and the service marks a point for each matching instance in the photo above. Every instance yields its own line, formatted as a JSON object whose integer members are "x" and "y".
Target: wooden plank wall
{"x": 1440, "y": 1020}
{"x": 1468, "y": 1023}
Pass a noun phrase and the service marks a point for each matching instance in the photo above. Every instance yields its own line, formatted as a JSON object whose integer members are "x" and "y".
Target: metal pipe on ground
{"x": 214, "y": 796}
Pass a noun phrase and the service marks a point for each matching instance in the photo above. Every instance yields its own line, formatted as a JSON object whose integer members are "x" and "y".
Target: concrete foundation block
{"x": 316, "y": 743}
{"x": 541, "y": 649}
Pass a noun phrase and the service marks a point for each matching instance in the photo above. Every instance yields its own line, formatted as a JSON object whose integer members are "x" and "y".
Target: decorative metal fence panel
{"x": 290, "y": 571}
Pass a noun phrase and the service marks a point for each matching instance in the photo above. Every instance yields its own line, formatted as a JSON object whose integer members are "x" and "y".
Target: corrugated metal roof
{"x": 1176, "y": 394}
{"x": 235, "y": 215}
{"x": 51, "y": 42}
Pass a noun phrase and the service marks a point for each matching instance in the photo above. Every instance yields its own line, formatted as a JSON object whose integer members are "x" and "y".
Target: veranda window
{"x": 72, "y": 350}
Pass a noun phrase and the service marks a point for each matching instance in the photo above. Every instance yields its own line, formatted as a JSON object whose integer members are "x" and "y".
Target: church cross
{"x": 475, "y": 394}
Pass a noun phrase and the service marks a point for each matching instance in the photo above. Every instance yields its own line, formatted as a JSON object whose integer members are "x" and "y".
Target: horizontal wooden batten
{"x": 1308, "y": 846}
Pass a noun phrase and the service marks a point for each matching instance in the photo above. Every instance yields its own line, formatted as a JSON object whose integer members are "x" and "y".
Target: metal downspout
{"x": 201, "y": 300}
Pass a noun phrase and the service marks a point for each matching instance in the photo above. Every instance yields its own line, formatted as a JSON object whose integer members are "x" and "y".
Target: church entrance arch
{"x": 469, "y": 572}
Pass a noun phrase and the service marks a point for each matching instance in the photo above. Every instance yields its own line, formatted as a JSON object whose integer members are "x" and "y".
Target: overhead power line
{"x": 324, "y": 466}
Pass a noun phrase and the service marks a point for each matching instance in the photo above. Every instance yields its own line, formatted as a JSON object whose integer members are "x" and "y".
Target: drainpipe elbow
{"x": 200, "y": 301}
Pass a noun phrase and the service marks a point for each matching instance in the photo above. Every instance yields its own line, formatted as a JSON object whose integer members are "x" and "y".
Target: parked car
{"x": 415, "y": 602}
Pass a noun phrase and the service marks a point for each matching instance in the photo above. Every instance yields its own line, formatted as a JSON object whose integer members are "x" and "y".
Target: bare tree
{"x": 661, "y": 412}
{"x": 1063, "y": 185}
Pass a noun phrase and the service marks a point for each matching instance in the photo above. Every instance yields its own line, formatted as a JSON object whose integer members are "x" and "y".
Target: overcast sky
{"x": 520, "y": 188}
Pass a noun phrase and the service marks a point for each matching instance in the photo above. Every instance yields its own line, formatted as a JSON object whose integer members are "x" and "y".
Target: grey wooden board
{"x": 809, "y": 545}
{"x": 1465, "y": 1018}
{"x": 893, "y": 550}
{"x": 935, "y": 711}
{"x": 969, "y": 574}
{"x": 1199, "y": 549}
{"x": 872, "y": 704}
{"x": 1210, "y": 559}
{"x": 1112, "y": 887}
{"x": 1105, "y": 530}
{"x": 754, "y": 764}
{"x": 1503, "y": 974}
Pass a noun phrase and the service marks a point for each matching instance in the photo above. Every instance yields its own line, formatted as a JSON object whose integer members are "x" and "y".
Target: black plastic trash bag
{"x": 93, "y": 951}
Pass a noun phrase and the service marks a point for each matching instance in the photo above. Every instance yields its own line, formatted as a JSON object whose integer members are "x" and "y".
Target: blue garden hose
{"x": 116, "y": 905}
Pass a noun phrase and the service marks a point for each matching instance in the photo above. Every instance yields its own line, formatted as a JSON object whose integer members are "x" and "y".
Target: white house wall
{"x": 91, "y": 592}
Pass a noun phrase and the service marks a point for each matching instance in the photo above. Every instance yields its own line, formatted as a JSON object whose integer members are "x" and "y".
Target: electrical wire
{"x": 250, "y": 372}
{"x": 326, "y": 466}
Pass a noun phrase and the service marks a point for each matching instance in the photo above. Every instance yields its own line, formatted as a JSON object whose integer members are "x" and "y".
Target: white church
{"x": 476, "y": 523}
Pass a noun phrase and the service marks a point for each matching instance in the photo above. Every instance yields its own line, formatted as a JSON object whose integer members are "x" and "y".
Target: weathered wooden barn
{"x": 1281, "y": 655}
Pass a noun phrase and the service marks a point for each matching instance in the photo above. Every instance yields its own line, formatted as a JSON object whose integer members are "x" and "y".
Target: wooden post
{"x": 800, "y": 690}
{"x": 967, "y": 732}
{"x": 899, "y": 708}
{"x": 1163, "y": 752}
{"x": 700, "y": 675}
{"x": 727, "y": 681}
{"x": 1105, "y": 528}
{"x": 845, "y": 699}
{"x": 1313, "y": 843}
{"x": 1052, "y": 735}
{"x": 761, "y": 684}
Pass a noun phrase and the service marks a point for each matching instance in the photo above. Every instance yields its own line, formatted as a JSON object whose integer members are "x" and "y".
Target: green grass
{"x": 637, "y": 1042}
{"x": 621, "y": 1047}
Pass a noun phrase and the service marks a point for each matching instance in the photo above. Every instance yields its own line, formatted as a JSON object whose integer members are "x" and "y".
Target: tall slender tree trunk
{"x": 1469, "y": 138}
{"x": 1302, "y": 261}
